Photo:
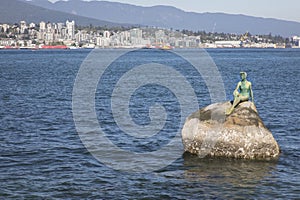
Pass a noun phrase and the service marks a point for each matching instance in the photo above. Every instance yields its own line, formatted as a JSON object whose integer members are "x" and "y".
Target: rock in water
{"x": 209, "y": 132}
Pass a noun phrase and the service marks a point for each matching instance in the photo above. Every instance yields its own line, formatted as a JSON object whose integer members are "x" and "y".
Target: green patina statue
{"x": 242, "y": 92}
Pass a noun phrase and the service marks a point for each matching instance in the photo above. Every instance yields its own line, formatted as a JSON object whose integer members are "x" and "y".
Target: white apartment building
{"x": 70, "y": 29}
{"x": 42, "y": 26}
{"x": 160, "y": 37}
{"x": 125, "y": 38}
{"x": 136, "y": 36}
{"x": 297, "y": 39}
{"x": 5, "y": 27}
{"x": 228, "y": 44}
{"x": 23, "y": 26}
{"x": 32, "y": 25}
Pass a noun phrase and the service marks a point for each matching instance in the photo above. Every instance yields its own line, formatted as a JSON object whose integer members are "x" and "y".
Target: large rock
{"x": 209, "y": 132}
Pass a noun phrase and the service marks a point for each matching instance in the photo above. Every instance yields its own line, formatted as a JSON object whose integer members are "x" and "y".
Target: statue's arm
{"x": 235, "y": 92}
{"x": 251, "y": 93}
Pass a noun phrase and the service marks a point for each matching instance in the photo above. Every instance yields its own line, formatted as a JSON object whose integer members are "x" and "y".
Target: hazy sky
{"x": 280, "y": 9}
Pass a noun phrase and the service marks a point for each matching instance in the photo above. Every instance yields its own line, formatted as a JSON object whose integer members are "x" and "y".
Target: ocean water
{"x": 43, "y": 157}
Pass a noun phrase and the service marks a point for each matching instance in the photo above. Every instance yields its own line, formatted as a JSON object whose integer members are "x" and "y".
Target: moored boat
{"x": 53, "y": 47}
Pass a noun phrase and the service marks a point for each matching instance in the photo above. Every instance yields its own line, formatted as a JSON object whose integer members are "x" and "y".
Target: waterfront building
{"x": 228, "y": 44}
{"x": 60, "y": 27}
{"x": 8, "y": 42}
{"x": 136, "y": 36}
{"x": 23, "y": 27}
{"x": 49, "y": 28}
{"x": 124, "y": 38}
{"x": 102, "y": 41}
{"x": 106, "y": 34}
{"x": 32, "y": 25}
{"x": 160, "y": 37}
{"x": 296, "y": 39}
{"x": 42, "y": 26}
{"x": 70, "y": 29}
{"x": 5, "y": 27}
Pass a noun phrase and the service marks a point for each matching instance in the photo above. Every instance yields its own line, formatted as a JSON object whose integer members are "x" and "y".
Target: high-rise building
{"x": 125, "y": 38}
{"x": 5, "y": 27}
{"x": 32, "y": 25}
{"x": 42, "y": 26}
{"x": 136, "y": 36}
{"x": 23, "y": 26}
{"x": 70, "y": 29}
{"x": 60, "y": 27}
{"x": 49, "y": 28}
{"x": 106, "y": 34}
{"x": 160, "y": 36}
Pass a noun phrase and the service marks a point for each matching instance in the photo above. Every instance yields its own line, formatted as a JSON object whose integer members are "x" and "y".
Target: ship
{"x": 53, "y": 47}
{"x": 166, "y": 47}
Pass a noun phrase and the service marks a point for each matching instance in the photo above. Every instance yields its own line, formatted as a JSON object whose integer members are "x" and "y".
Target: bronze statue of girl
{"x": 242, "y": 92}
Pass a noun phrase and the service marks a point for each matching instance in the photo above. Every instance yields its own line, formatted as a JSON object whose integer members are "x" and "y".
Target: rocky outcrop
{"x": 209, "y": 132}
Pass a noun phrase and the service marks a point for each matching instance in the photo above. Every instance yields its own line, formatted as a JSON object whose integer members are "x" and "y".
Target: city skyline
{"x": 286, "y": 10}
{"x": 66, "y": 35}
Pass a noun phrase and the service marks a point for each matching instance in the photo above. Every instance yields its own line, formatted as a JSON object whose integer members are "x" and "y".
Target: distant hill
{"x": 13, "y": 11}
{"x": 171, "y": 17}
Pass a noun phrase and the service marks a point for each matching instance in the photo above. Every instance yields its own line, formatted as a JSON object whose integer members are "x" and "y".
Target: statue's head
{"x": 243, "y": 75}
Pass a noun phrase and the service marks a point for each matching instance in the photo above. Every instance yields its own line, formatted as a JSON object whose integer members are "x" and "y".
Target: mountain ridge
{"x": 171, "y": 17}
{"x": 14, "y": 11}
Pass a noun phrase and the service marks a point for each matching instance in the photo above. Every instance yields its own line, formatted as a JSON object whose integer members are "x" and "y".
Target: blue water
{"x": 42, "y": 156}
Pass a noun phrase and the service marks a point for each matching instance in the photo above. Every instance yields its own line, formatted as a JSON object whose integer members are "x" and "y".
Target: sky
{"x": 279, "y": 9}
